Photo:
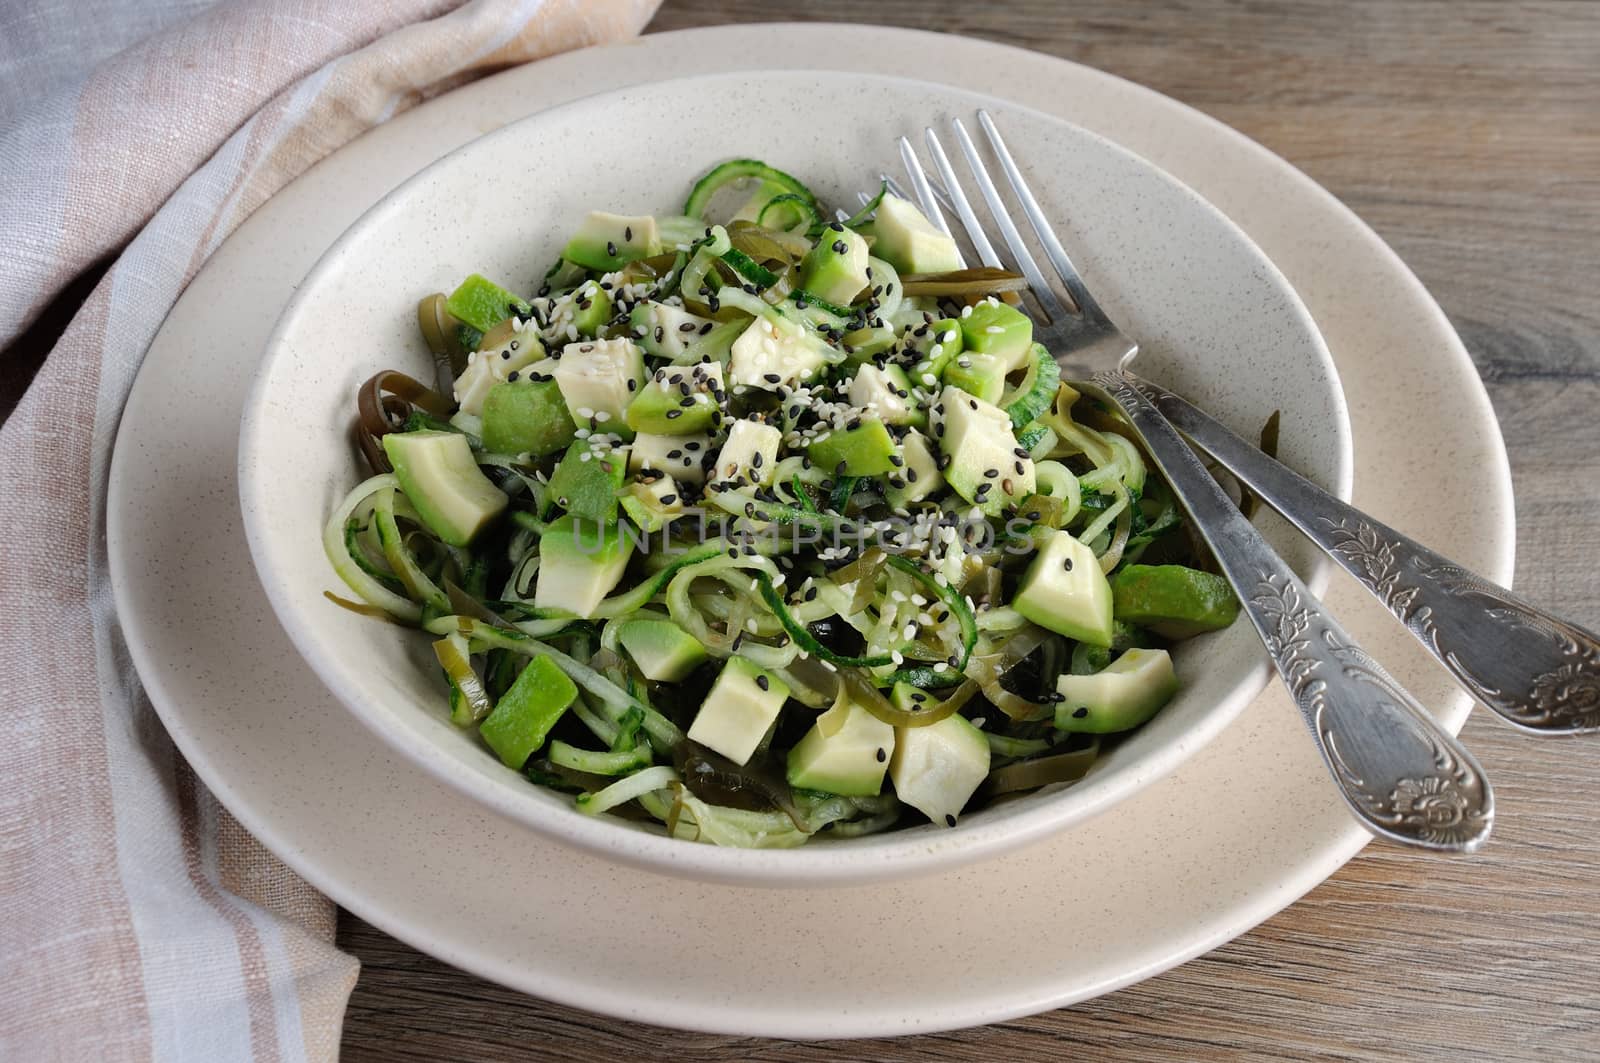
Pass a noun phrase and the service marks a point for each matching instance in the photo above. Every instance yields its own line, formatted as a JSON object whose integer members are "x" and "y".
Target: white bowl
{"x": 1216, "y": 320}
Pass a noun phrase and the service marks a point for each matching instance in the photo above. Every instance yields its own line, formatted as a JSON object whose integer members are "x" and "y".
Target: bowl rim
{"x": 893, "y": 855}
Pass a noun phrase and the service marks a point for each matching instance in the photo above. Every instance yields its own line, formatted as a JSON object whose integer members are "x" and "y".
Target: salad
{"x": 764, "y": 523}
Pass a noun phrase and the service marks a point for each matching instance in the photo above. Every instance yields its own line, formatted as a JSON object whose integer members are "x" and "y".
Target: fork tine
{"x": 1002, "y": 217}
{"x": 1041, "y": 225}
{"x": 969, "y": 219}
{"x": 919, "y": 181}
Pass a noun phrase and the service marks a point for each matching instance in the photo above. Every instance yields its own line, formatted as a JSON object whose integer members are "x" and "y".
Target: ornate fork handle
{"x": 1405, "y": 777}
{"x": 1539, "y": 672}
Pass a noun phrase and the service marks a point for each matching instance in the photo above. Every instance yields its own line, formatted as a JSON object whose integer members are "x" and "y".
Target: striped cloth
{"x": 137, "y": 919}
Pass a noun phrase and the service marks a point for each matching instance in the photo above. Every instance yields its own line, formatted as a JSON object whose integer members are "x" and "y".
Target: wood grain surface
{"x": 1468, "y": 135}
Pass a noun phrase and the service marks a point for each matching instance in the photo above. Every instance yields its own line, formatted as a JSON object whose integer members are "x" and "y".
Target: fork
{"x": 1403, "y": 776}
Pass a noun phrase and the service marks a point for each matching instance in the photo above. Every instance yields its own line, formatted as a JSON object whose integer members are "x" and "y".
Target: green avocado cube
{"x": 526, "y": 417}
{"x": 999, "y": 330}
{"x": 911, "y": 243}
{"x": 679, "y": 400}
{"x": 483, "y": 304}
{"x": 662, "y": 650}
{"x": 591, "y": 309}
{"x": 523, "y": 717}
{"x": 1174, "y": 601}
{"x": 865, "y": 450}
{"x": 1063, "y": 590}
{"x": 835, "y": 269}
{"x": 441, "y": 478}
{"x": 579, "y": 563}
{"x": 846, "y": 752}
{"x": 1119, "y": 697}
{"x": 982, "y": 375}
{"x": 742, "y": 704}
{"x": 609, "y": 241}
{"x": 586, "y": 481}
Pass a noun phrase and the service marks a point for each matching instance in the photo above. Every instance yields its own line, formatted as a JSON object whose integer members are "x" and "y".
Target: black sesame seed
{"x": 761, "y": 681}
{"x": 674, "y": 413}
{"x": 611, "y": 249}
{"x": 882, "y": 756}
{"x": 840, "y": 247}
{"x": 511, "y": 376}
{"x": 667, "y": 500}
{"x": 1066, "y": 565}
{"x": 990, "y": 474}
{"x": 949, "y": 821}
{"x": 633, "y": 385}
{"x": 687, "y": 326}
{"x": 911, "y": 475}
{"x": 1080, "y": 712}
{"x": 627, "y": 233}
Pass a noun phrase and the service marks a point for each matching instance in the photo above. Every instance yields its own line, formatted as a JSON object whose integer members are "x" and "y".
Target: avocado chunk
{"x": 662, "y": 650}
{"x": 742, "y": 705}
{"x": 865, "y": 344}
{"x": 1121, "y": 696}
{"x": 666, "y": 331}
{"x": 750, "y": 453}
{"x": 684, "y": 458}
{"x": 483, "y": 304}
{"x": 932, "y": 344}
{"x": 591, "y": 309}
{"x": 1174, "y": 601}
{"x": 835, "y": 269}
{"x": 909, "y": 242}
{"x": 986, "y": 466}
{"x": 980, "y": 375}
{"x": 1065, "y": 591}
{"x": 865, "y": 450}
{"x": 579, "y": 563}
{"x": 440, "y": 477}
{"x": 605, "y": 242}
{"x": 999, "y": 330}
{"x": 936, "y": 768}
{"x": 919, "y": 477}
{"x": 522, "y": 719}
{"x": 586, "y": 481}
{"x": 526, "y": 416}
{"x": 652, "y": 502}
{"x": 846, "y": 752}
{"x": 772, "y": 352}
{"x": 679, "y": 400}
{"x": 886, "y": 392}
{"x": 520, "y": 355}
{"x": 598, "y": 378}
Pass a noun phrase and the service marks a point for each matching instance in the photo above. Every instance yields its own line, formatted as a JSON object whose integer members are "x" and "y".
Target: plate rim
{"x": 893, "y": 856}
{"x": 1501, "y": 542}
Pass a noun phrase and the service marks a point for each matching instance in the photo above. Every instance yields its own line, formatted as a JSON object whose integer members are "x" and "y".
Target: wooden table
{"x": 1468, "y": 135}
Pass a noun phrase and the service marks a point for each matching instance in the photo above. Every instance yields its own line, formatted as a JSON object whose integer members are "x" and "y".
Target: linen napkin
{"x": 138, "y": 920}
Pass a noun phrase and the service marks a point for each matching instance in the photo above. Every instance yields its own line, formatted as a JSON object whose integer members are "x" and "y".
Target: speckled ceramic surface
{"x": 1217, "y": 320}
{"x": 1240, "y": 829}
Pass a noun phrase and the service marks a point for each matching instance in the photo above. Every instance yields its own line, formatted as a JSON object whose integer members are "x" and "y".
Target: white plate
{"x": 1216, "y": 321}
{"x": 1244, "y": 827}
